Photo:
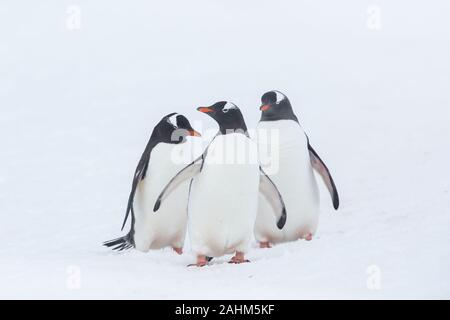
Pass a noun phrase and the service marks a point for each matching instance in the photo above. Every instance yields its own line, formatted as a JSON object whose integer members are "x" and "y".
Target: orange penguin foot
{"x": 201, "y": 262}
{"x": 238, "y": 258}
{"x": 178, "y": 250}
{"x": 265, "y": 244}
{"x": 308, "y": 237}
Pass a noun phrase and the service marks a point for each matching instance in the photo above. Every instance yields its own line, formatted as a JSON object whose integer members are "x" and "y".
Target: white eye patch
{"x": 228, "y": 106}
{"x": 173, "y": 120}
{"x": 280, "y": 96}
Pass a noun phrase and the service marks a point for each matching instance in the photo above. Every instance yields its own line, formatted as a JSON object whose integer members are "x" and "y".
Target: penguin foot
{"x": 238, "y": 258}
{"x": 178, "y": 250}
{"x": 308, "y": 237}
{"x": 201, "y": 262}
{"x": 265, "y": 244}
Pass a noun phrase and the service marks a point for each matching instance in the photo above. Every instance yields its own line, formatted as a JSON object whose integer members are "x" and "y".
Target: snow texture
{"x": 82, "y": 83}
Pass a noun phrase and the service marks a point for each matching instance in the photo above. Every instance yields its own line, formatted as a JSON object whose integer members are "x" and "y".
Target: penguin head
{"x": 227, "y": 115}
{"x": 276, "y": 106}
{"x": 174, "y": 128}
{"x": 184, "y": 124}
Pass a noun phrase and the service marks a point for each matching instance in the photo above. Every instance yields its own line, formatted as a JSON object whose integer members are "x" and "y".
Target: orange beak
{"x": 205, "y": 109}
{"x": 264, "y": 107}
{"x": 194, "y": 133}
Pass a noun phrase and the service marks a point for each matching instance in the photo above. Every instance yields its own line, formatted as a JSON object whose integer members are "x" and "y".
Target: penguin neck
{"x": 226, "y": 129}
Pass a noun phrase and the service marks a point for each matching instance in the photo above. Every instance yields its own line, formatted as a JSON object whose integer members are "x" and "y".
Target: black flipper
{"x": 139, "y": 175}
{"x": 323, "y": 171}
{"x": 127, "y": 241}
{"x": 186, "y": 173}
{"x": 270, "y": 191}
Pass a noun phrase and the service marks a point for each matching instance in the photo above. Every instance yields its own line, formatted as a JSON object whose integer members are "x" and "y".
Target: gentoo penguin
{"x": 292, "y": 160}
{"x": 224, "y": 192}
{"x": 156, "y": 166}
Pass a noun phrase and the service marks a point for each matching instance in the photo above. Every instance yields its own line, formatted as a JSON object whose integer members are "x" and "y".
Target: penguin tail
{"x": 123, "y": 243}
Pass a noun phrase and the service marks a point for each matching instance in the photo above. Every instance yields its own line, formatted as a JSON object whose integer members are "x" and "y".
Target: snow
{"x": 77, "y": 108}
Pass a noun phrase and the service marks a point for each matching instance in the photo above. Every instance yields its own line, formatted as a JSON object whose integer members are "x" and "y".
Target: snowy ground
{"x": 77, "y": 107}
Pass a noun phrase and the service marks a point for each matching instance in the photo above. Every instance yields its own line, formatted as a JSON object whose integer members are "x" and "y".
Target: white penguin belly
{"x": 224, "y": 197}
{"x": 288, "y": 164}
{"x": 166, "y": 227}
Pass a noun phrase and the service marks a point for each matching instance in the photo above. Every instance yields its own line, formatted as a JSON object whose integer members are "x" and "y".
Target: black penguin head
{"x": 184, "y": 124}
{"x": 276, "y": 106}
{"x": 227, "y": 115}
{"x": 173, "y": 128}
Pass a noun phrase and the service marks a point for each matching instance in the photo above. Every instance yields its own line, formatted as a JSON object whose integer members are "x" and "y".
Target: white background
{"x": 77, "y": 108}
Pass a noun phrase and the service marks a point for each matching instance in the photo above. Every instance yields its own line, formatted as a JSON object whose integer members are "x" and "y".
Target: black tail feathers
{"x": 123, "y": 243}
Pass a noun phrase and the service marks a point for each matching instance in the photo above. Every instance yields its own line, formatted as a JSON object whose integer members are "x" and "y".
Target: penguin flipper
{"x": 186, "y": 173}
{"x": 270, "y": 191}
{"x": 139, "y": 174}
{"x": 323, "y": 171}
